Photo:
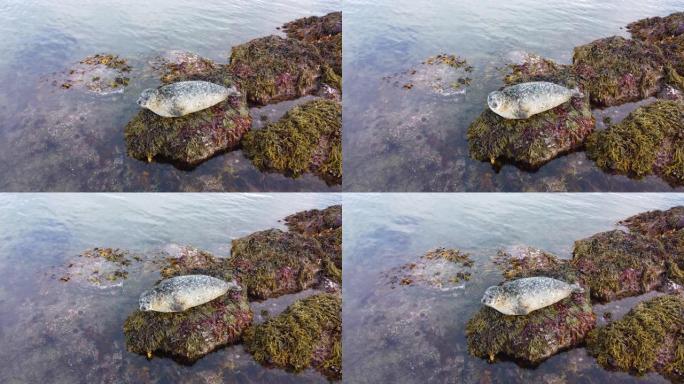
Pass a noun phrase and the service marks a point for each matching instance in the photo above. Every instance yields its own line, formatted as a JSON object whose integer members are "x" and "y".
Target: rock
{"x": 667, "y": 33}
{"x": 443, "y": 75}
{"x": 441, "y": 268}
{"x": 101, "y": 73}
{"x": 617, "y": 264}
{"x": 534, "y": 337}
{"x": 649, "y": 338}
{"x": 99, "y": 267}
{"x": 326, "y": 34}
{"x": 272, "y": 263}
{"x": 306, "y": 139}
{"x": 189, "y": 335}
{"x": 616, "y": 70}
{"x": 648, "y": 141}
{"x": 192, "y": 261}
{"x": 173, "y": 66}
{"x": 272, "y": 69}
{"x": 189, "y": 140}
{"x": 326, "y": 227}
{"x": 307, "y": 334}
{"x": 532, "y": 142}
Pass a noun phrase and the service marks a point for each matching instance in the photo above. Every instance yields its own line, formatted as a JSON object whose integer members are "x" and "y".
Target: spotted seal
{"x": 185, "y": 97}
{"x": 522, "y": 296}
{"x": 182, "y": 292}
{"x": 527, "y": 99}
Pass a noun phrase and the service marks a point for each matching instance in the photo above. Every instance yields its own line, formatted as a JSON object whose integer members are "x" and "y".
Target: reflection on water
{"x": 416, "y": 334}
{"x": 404, "y": 140}
{"x": 52, "y": 139}
{"x": 59, "y": 332}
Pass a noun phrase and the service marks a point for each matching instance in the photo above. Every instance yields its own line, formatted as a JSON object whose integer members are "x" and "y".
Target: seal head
{"x": 146, "y": 97}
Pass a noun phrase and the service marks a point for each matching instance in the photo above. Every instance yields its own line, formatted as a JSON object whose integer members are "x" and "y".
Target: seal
{"x": 527, "y": 99}
{"x": 185, "y": 97}
{"x": 522, "y": 296}
{"x": 183, "y": 292}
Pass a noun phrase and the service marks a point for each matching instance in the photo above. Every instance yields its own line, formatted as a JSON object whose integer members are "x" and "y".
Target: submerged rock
{"x": 443, "y": 74}
{"x": 649, "y": 338}
{"x": 189, "y": 140}
{"x": 535, "y": 141}
{"x": 307, "y": 334}
{"x": 272, "y": 263}
{"x": 189, "y": 335}
{"x": 441, "y": 268}
{"x": 272, "y": 69}
{"x": 616, "y": 70}
{"x": 649, "y": 141}
{"x": 99, "y": 267}
{"x": 101, "y": 73}
{"x": 617, "y": 264}
{"x": 534, "y": 337}
{"x": 306, "y": 139}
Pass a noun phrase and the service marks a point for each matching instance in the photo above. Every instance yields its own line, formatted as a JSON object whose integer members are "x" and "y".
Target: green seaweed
{"x": 649, "y": 141}
{"x": 307, "y": 334}
{"x": 307, "y": 138}
{"x": 649, "y": 338}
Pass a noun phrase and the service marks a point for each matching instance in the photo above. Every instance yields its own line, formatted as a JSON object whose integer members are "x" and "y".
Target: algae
{"x": 649, "y": 141}
{"x": 441, "y": 268}
{"x": 307, "y": 138}
{"x": 649, "y": 338}
{"x": 307, "y": 334}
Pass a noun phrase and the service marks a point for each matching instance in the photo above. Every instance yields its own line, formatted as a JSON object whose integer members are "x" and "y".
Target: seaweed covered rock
{"x": 667, "y": 33}
{"x": 99, "y": 267}
{"x": 272, "y": 69}
{"x": 189, "y": 140}
{"x": 306, "y": 139}
{"x": 189, "y": 335}
{"x": 649, "y": 338}
{"x": 193, "y": 261}
{"x": 534, "y": 337}
{"x": 617, "y": 264}
{"x": 176, "y": 66}
{"x": 616, "y": 70}
{"x": 649, "y": 141}
{"x": 443, "y": 74}
{"x": 272, "y": 263}
{"x": 326, "y": 227}
{"x": 533, "y": 142}
{"x": 326, "y": 34}
{"x": 101, "y": 73}
{"x": 442, "y": 268}
{"x": 307, "y": 334}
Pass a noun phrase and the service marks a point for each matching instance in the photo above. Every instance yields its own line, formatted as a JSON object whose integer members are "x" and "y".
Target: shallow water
{"x": 53, "y": 139}
{"x": 63, "y": 332}
{"x": 404, "y": 140}
{"x": 416, "y": 334}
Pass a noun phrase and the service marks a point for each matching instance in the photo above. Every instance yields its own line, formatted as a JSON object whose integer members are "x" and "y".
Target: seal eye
{"x": 494, "y": 104}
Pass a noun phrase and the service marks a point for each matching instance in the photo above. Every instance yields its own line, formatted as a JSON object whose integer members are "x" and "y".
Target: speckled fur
{"x": 521, "y": 101}
{"x": 185, "y": 97}
{"x": 522, "y": 296}
{"x": 183, "y": 292}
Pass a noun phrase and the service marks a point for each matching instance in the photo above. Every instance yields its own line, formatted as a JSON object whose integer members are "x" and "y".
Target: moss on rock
{"x": 649, "y": 338}
{"x": 189, "y": 140}
{"x": 189, "y": 335}
{"x": 272, "y": 69}
{"x": 307, "y": 138}
{"x": 649, "y": 141}
{"x": 273, "y": 263}
{"x": 616, "y": 70}
{"x": 534, "y": 141}
{"x": 307, "y": 334}
{"x": 617, "y": 264}
{"x": 326, "y": 34}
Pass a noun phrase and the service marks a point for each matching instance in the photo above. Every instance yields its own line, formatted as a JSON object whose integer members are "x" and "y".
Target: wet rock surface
{"x": 307, "y": 334}
{"x": 441, "y": 268}
{"x": 532, "y": 338}
{"x": 307, "y": 139}
{"x": 648, "y": 338}
{"x": 101, "y": 74}
{"x": 537, "y": 140}
{"x": 649, "y": 141}
{"x": 442, "y": 75}
{"x": 192, "y": 139}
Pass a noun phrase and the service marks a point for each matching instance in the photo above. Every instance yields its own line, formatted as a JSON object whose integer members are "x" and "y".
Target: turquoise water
{"x": 59, "y": 332}
{"x": 399, "y": 140}
{"x": 57, "y": 140}
{"x": 416, "y": 335}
